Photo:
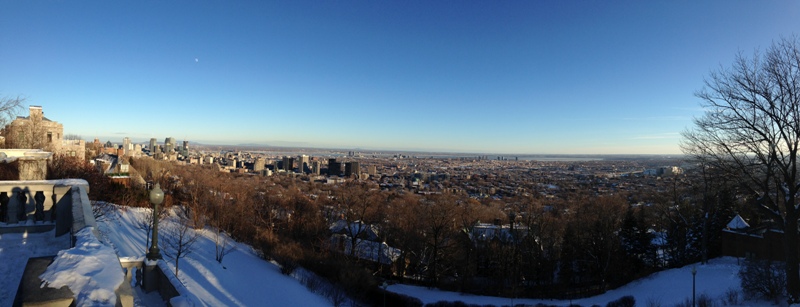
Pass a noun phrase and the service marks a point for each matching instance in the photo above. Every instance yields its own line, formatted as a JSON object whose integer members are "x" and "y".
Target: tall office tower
{"x": 186, "y": 146}
{"x": 288, "y": 163}
{"x": 372, "y": 170}
{"x": 351, "y": 168}
{"x": 126, "y": 146}
{"x": 169, "y": 144}
{"x": 334, "y": 168}
{"x": 152, "y": 145}
{"x": 315, "y": 166}
{"x": 259, "y": 164}
{"x": 302, "y": 163}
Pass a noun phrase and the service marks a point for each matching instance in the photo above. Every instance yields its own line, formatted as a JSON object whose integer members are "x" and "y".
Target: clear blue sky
{"x": 519, "y": 77}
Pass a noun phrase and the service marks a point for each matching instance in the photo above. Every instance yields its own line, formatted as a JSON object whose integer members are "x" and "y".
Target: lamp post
{"x": 156, "y": 197}
{"x": 694, "y": 273}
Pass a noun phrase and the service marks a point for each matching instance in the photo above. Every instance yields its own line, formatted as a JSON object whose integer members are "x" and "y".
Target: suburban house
{"x": 741, "y": 240}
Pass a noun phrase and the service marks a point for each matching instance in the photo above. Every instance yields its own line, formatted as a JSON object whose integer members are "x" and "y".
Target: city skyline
{"x": 510, "y": 77}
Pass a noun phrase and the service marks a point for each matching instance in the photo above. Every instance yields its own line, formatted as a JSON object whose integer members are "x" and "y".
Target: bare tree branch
{"x": 751, "y": 129}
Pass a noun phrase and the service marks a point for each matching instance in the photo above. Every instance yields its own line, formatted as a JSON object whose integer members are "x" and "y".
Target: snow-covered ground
{"x": 239, "y": 283}
{"x": 85, "y": 270}
{"x": 15, "y": 249}
{"x": 666, "y": 288}
{"x": 243, "y": 278}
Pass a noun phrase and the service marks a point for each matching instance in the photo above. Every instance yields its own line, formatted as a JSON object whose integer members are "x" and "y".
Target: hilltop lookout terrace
{"x": 49, "y": 237}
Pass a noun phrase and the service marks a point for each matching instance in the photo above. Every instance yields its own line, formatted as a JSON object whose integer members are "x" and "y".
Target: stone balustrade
{"x": 40, "y": 205}
{"x": 32, "y": 204}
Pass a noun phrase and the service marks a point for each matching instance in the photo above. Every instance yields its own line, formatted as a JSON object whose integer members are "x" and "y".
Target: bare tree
{"x": 751, "y": 128}
{"x": 31, "y": 133}
{"x": 438, "y": 215}
{"x": 179, "y": 238}
{"x": 220, "y": 220}
{"x": 145, "y": 222}
{"x": 222, "y": 245}
{"x": 359, "y": 209}
{"x": 9, "y": 107}
{"x": 70, "y": 136}
{"x": 104, "y": 210}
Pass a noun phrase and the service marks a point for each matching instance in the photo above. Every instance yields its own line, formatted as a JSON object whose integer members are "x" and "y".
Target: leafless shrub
{"x": 104, "y": 210}
{"x": 762, "y": 278}
{"x": 337, "y": 296}
{"x": 653, "y": 302}
{"x": 179, "y": 238}
{"x": 731, "y": 297}
{"x": 705, "y": 301}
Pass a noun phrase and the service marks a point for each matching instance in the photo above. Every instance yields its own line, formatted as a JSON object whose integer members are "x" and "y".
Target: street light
{"x": 694, "y": 273}
{"x": 156, "y": 198}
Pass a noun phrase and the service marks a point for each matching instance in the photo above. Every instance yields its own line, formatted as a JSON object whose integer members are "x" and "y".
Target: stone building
{"x": 73, "y": 148}
{"x": 36, "y": 131}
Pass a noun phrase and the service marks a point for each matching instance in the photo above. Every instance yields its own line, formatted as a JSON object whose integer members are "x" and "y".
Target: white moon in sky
{"x": 196, "y": 60}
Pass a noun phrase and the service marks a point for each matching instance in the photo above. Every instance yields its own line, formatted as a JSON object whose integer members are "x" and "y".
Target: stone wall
{"x": 32, "y": 163}
{"x": 38, "y": 202}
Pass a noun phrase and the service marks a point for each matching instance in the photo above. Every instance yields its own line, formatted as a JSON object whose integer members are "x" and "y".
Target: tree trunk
{"x": 704, "y": 241}
{"x": 792, "y": 266}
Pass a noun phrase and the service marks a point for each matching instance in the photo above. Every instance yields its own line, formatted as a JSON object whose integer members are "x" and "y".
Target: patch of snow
{"x": 737, "y": 223}
{"x": 181, "y": 301}
{"x": 186, "y": 298}
{"x": 88, "y": 269}
{"x": 666, "y": 288}
{"x": 16, "y": 249}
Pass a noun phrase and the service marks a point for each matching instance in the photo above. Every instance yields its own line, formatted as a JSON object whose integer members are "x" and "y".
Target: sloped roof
{"x": 357, "y": 228}
{"x": 28, "y": 117}
{"x": 737, "y": 223}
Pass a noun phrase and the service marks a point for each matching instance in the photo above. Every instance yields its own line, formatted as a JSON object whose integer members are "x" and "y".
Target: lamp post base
{"x": 153, "y": 254}
{"x": 150, "y": 278}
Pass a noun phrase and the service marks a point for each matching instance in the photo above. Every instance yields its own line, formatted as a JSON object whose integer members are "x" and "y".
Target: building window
{"x": 49, "y": 137}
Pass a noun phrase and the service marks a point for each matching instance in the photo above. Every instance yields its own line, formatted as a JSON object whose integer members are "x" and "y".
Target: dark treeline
{"x": 576, "y": 244}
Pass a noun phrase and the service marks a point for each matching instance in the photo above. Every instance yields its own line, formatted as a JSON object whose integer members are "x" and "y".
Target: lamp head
{"x": 156, "y": 195}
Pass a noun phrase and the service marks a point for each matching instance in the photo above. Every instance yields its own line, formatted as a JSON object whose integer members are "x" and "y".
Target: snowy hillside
{"x": 243, "y": 278}
{"x": 667, "y": 288}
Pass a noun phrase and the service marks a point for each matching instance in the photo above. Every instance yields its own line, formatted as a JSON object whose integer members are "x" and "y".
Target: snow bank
{"x": 181, "y": 301}
{"x": 666, "y": 288}
{"x": 90, "y": 269}
{"x": 185, "y": 297}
